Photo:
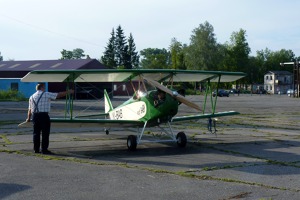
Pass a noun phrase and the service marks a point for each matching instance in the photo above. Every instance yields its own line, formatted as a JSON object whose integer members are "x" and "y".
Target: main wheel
{"x": 131, "y": 142}
{"x": 181, "y": 139}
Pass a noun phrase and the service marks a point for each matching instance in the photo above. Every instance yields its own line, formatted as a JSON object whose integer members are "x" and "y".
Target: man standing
{"x": 39, "y": 107}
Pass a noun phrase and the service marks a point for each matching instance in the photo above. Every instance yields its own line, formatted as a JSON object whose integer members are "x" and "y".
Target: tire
{"x": 131, "y": 142}
{"x": 181, "y": 139}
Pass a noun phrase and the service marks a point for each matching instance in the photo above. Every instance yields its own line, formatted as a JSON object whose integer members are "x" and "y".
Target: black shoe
{"x": 47, "y": 152}
{"x": 37, "y": 151}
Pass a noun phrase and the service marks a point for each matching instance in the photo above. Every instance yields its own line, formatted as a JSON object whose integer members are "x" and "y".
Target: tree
{"x": 65, "y": 55}
{"x": 268, "y": 60}
{"x": 254, "y": 71}
{"x": 236, "y": 56}
{"x": 202, "y": 52}
{"x": 239, "y": 50}
{"x": 177, "y": 55}
{"x": 78, "y": 53}
{"x": 155, "y": 58}
{"x": 1, "y": 57}
{"x": 120, "y": 44}
{"x": 277, "y": 57}
{"x": 120, "y": 53}
{"x": 108, "y": 58}
{"x": 132, "y": 53}
{"x": 75, "y": 54}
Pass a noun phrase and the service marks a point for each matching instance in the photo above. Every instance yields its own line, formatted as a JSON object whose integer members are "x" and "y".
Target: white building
{"x": 278, "y": 82}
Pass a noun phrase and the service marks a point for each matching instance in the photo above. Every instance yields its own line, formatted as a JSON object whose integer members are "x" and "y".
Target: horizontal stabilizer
{"x": 25, "y": 125}
{"x": 203, "y": 116}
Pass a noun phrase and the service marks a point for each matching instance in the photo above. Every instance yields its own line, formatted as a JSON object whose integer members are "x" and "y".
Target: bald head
{"x": 40, "y": 86}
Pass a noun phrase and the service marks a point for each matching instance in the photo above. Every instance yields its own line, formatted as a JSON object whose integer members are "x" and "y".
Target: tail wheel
{"x": 131, "y": 142}
{"x": 181, "y": 139}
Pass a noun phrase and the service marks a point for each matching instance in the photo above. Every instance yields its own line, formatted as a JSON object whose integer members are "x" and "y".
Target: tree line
{"x": 203, "y": 52}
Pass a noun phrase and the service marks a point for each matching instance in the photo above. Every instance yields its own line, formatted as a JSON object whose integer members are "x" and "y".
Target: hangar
{"x": 11, "y": 73}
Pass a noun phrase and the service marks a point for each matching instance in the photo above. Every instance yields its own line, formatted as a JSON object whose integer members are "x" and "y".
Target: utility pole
{"x": 296, "y": 76}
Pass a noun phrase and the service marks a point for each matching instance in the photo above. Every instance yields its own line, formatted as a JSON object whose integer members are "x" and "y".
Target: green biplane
{"x": 148, "y": 107}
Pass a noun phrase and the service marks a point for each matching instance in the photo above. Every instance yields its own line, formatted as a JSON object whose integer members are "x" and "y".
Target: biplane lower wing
{"x": 203, "y": 116}
{"x": 78, "y": 123}
{"x": 62, "y": 122}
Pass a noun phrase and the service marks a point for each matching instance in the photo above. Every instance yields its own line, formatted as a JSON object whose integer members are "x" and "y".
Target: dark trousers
{"x": 41, "y": 123}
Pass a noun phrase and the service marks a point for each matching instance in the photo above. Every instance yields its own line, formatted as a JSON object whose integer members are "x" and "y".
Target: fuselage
{"x": 147, "y": 107}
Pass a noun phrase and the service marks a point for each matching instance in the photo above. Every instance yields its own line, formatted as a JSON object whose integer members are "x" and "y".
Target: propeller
{"x": 174, "y": 94}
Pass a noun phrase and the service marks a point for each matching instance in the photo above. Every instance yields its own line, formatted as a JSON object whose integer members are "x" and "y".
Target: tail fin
{"x": 107, "y": 103}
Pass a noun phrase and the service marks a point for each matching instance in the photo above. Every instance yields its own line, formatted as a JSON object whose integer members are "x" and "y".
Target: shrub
{"x": 11, "y": 95}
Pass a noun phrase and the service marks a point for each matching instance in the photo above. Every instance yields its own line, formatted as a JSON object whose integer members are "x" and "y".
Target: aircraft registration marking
{"x": 133, "y": 111}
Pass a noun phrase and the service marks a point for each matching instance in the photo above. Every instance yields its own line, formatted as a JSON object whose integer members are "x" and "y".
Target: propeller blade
{"x": 187, "y": 102}
{"x": 174, "y": 94}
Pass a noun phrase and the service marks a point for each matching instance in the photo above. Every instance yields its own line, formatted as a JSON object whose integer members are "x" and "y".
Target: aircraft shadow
{"x": 7, "y": 189}
{"x": 199, "y": 156}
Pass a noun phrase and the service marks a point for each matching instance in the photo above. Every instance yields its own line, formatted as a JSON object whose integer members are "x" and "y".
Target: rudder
{"x": 107, "y": 103}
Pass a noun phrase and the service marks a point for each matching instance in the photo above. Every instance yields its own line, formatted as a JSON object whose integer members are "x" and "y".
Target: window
{"x": 270, "y": 87}
{"x": 124, "y": 87}
{"x": 271, "y": 77}
{"x": 14, "y": 86}
{"x": 115, "y": 87}
{"x": 267, "y": 77}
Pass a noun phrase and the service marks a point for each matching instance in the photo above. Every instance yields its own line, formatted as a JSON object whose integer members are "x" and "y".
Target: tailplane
{"x": 107, "y": 103}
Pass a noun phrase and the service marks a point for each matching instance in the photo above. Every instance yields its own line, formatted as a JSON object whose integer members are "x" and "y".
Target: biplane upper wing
{"x": 115, "y": 75}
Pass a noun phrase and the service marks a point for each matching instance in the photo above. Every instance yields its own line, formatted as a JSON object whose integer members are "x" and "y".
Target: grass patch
{"x": 5, "y": 139}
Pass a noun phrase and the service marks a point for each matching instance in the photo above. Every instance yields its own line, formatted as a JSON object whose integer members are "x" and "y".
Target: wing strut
{"x": 171, "y": 81}
{"x": 216, "y": 97}
{"x": 69, "y": 103}
{"x": 209, "y": 91}
{"x": 133, "y": 87}
{"x": 140, "y": 134}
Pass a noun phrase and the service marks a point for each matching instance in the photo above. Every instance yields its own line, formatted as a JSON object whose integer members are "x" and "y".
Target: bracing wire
{"x": 99, "y": 100}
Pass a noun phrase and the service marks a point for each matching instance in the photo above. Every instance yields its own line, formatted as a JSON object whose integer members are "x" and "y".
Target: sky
{"x": 41, "y": 29}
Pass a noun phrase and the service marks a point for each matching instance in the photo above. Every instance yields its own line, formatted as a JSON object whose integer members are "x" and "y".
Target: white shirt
{"x": 44, "y": 103}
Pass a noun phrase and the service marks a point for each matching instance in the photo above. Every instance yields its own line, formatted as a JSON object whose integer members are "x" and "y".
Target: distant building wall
{"x": 278, "y": 82}
{"x": 27, "y": 89}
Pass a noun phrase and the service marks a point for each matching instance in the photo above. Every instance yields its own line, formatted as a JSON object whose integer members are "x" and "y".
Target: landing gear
{"x": 131, "y": 142}
{"x": 181, "y": 139}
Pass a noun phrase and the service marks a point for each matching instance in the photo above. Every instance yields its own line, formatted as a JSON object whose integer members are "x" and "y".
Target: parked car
{"x": 221, "y": 93}
{"x": 233, "y": 91}
{"x": 260, "y": 91}
{"x": 290, "y": 92}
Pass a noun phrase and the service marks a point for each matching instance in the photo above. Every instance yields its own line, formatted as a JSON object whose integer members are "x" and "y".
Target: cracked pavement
{"x": 255, "y": 155}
